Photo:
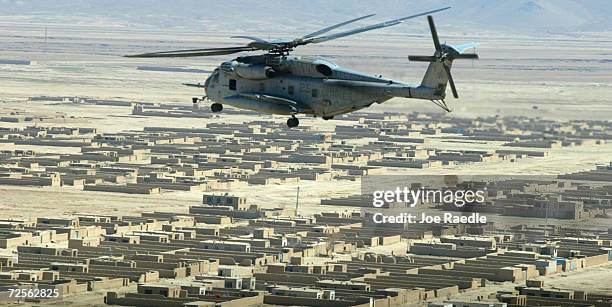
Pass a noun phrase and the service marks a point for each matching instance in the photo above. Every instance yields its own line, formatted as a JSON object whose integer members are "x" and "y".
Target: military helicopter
{"x": 279, "y": 83}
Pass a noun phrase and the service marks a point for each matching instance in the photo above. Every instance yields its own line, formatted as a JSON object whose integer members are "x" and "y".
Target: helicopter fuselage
{"x": 290, "y": 85}
{"x": 277, "y": 83}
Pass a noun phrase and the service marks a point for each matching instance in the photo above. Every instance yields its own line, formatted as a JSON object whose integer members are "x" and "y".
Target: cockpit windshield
{"x": 214, "y": 76}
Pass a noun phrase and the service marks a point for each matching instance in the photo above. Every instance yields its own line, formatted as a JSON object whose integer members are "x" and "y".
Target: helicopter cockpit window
{"x": 232, "y": 84}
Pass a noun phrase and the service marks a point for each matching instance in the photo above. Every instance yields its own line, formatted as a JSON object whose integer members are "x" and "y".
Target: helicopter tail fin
{"x": 436, "y": 78}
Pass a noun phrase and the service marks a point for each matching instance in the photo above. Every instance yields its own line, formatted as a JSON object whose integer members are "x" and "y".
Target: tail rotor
{"x": 445, "y": 55}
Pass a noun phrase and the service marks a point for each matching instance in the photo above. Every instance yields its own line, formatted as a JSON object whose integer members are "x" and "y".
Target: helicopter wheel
{"x": 216, "y": 107}
{"x": 293, "y": 122}
{"x": 328, "y": 117}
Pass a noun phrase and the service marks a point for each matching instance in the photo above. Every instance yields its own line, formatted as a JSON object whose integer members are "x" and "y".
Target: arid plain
{"x": 556, "y": 77}
{"x": 553, "y": 77}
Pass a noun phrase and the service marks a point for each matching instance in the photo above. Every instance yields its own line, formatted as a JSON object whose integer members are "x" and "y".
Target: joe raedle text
{"x": 413, "y": 197}
{"x": 426, "y": 218}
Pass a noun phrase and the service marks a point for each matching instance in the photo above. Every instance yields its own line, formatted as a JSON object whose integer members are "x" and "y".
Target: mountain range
{"x": 526, "y": 16}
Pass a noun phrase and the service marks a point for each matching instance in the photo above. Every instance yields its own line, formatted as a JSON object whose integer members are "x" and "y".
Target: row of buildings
{"x": 218, "y": 156}
{"x": 573, "y": 196}
{"x": 226, "y": 252}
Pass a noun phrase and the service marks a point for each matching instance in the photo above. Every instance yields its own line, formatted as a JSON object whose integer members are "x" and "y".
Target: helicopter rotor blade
{"x": 259, "y": 43}
{"x": 338, "y": 25}
{"x": 281, "y": 47}
{"x": 389, "y": 23}
{"x": 313, "y": 34}
{"x": 466, "y": 56}
{"x": 422, "y": 58}
{"x": 434, "y": 33}
{"x": 451, "y": 81}
{"x": 192, "y": 52}
{"x": 253, "y": 38}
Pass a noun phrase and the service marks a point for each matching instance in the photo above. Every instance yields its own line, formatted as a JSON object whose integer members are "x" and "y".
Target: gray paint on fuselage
{"x": 301, "y": 74}
{"x": 330, "y": 100}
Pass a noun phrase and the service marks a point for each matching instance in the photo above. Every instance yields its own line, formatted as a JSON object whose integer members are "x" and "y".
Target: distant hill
{"x": 532, "y": 16}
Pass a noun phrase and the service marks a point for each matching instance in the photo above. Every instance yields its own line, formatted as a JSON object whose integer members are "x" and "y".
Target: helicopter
{"x": 277, "y": 82}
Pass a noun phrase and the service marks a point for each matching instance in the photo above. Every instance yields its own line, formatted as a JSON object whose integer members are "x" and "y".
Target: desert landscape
{"x": 105, "y": 162}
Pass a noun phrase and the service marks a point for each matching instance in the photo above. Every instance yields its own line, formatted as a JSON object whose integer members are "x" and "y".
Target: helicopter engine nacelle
{"x": 253, "y": 71}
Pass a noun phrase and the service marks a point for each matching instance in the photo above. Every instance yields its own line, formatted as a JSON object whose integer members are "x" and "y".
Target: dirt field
{"x": 516, "y": 76}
